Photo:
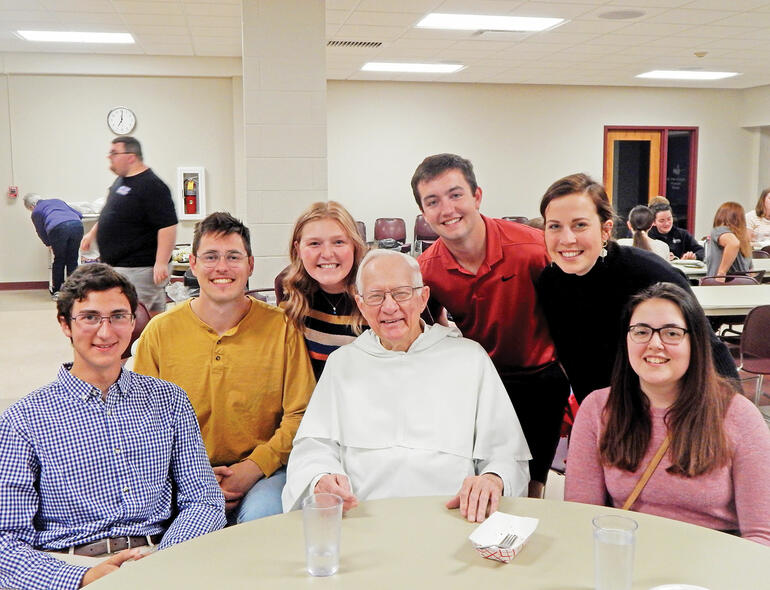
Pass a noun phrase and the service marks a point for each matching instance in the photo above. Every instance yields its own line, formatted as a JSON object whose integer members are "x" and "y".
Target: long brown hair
{"x": 299, "y": 285}
{"x": 731, "y": 215}
{"x": 579, "y": 184}
{"x": 759, "y": 209}
{"x": 695, "y": 421}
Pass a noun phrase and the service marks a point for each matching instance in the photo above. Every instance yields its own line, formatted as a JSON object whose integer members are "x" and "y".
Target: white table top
{"x": 416, "y": 543}
{"x": 692, "y": 269}
{"x": 732, "y": 299}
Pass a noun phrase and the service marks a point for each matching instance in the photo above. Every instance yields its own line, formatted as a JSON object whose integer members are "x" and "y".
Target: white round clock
{"x": 121, "y": 120}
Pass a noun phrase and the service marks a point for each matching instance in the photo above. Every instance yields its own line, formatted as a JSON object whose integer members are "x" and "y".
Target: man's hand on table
{"x": 478, "y": 497}
{"x": 337, "y": 483}
{"x": 110, "y": 565}
{"x": 236, "y": 480}
{"x": 688, "y": 256}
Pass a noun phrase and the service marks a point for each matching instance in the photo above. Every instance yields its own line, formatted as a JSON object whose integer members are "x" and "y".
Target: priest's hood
{"x": 369, "y": 342}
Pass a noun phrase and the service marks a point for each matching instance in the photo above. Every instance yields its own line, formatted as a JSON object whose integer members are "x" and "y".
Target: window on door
{"x": 643, "y": 162}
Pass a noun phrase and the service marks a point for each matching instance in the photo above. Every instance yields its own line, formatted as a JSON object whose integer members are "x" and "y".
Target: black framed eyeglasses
{"x": 93, "y": 320}
{"x": 111, "y": 154}
{"x": 642, "y": 333}
{"x": 399, "y": 294}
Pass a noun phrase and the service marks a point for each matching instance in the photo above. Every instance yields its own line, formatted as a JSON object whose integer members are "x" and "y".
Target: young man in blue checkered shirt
{"x": 102, "y": 464}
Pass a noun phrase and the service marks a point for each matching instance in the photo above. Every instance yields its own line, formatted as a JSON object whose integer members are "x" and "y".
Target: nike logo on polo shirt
{"x": 508, "y": 278}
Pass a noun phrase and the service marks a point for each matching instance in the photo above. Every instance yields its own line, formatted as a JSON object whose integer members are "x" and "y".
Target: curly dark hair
{"x": 92, "y": 277}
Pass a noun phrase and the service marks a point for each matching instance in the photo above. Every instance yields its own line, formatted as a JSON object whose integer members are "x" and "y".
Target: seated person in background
{"x": 729, "y": 249}
{"x": 758, "y": 220}
{"x": 408, "y": 409}
{"x": 101, "y": 459}
{"x": 715, "y": 471}
{"x": 681, "y": 243}
{"x": 639, "y": 222}
{"x": 243, "y": 364}
{"x": 319, "y": 288}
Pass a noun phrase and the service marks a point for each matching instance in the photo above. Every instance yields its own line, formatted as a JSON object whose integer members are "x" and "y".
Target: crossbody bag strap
{"x": 647, "y": 474}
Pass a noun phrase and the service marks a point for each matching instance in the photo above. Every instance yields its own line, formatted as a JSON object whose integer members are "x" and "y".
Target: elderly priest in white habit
{"x": 407, "y": 409}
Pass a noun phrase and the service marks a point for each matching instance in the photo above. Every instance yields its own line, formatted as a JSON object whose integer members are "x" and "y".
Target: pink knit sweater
{"x": 736, "y": 496}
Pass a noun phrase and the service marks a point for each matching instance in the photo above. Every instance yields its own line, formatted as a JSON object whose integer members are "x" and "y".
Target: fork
{"x": 506, "y": 543}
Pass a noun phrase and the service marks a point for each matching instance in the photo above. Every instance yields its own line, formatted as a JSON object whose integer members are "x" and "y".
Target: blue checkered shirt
{"x": 77, "y": 468}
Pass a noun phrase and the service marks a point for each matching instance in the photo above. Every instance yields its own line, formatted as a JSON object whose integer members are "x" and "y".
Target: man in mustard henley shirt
{"x": 243, "y": 365}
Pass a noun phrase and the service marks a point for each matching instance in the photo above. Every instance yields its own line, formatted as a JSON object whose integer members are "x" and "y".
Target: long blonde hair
{"x": 298, "y": 284}
{"x": 731, "y": 215}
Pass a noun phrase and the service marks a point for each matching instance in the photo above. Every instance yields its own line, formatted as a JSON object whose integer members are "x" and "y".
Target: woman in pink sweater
{"x": 716, "y": 471}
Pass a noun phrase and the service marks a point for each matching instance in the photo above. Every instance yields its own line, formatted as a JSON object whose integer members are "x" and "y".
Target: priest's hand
{"x": 337, "y": 483}
{"x": 478, "y": 497}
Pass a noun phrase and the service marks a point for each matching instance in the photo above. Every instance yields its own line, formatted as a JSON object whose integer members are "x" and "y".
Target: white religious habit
{"x": 413, "y": 423}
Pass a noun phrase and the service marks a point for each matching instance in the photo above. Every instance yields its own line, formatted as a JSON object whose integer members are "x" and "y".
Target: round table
{"x": 417, "y": 543}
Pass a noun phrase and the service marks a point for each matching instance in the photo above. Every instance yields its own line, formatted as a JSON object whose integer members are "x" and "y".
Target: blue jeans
{"x": 263, "y": 499}
{"x": 65, "y": 243}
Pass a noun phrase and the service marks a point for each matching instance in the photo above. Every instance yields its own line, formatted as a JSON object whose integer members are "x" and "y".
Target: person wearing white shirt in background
{"x": 640, "y": 220}
{"x": 408, "y": 409}
{"x": 758, "y": 220}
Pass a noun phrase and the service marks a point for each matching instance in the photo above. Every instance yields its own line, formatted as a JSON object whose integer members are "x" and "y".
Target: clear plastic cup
{"x": 614, "y": 540}
{"x": 322, "y": 518}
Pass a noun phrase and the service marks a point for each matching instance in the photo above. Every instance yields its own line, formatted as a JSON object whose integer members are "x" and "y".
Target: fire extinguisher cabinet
{"x": 191, "y": 192}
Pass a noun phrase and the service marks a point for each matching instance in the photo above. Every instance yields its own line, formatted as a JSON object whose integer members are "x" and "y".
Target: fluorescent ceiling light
{"x": 378, "y": 66}
{"x": 686, "y": 75}
{"x": 481, "y": 22}
{"x": 75, "y": 37}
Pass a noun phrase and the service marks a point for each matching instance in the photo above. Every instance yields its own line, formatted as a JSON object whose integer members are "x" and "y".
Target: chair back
{"x": 517, "y": 218}
{"x": 722, "y": 280}
{"x": 760, "y": 254}
{"x": 766, "y": 249}
{"x": 423, "y": 230}
{"x": 754, "y": 340}
{"x": 140, "y": 322}
{"x": 257, "y": 294}
{"x": 361, "y": 227}
{"x": 390, "y": 227}
{"x": 278, "y": 284}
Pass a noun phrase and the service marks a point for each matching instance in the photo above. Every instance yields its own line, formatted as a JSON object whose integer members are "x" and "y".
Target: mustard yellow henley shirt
{"x": 249, "y": 386}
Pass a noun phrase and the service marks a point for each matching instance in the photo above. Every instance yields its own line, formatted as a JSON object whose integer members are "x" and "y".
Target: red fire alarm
{"x": 13, "y": 192}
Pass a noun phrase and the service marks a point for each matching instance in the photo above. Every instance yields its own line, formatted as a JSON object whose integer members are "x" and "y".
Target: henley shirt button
{"x": 219, "y": 342}
{"x": 217, "y": 357}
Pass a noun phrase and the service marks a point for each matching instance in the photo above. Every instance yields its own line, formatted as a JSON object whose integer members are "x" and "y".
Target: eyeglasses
{"x": 210, "y": 259}
{"x": 94, "y": 320}
{"x": 398, "y": 294}
{"x": 642, "y": 333}
{"x": 111, "y": 154}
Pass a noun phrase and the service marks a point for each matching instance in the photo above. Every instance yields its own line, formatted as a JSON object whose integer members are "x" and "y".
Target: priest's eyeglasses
{"x": 94, "y": 320}
{"x": 642, "y": 333}
{"x": 398, "y": 294}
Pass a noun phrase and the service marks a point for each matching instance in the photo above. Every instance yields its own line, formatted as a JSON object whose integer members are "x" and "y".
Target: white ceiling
{"x": 735, "y": 34}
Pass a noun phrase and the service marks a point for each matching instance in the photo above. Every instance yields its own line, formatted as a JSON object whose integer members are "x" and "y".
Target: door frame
{"x": 691, "y": 185}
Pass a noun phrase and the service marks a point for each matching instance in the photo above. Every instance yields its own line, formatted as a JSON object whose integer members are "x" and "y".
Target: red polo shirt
{"x": 497, "y": 306}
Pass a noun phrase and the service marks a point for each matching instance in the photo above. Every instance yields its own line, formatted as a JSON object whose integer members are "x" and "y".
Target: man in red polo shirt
{"x": 482, "y": 271}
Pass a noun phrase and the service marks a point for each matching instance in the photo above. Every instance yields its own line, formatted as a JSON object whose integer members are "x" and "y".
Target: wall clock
{"x": 121, "y": 120}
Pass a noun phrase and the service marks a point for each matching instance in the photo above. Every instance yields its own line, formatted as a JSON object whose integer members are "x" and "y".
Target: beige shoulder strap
{"x": 647, "y": 474}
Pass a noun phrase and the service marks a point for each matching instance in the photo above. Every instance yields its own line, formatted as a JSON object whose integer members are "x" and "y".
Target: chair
{"x": 766, "y": 249}
{"x": 258, "y": 294}
{"x": 517, "y": 218}
{"x": 361, "y": 227}
{"x": 392, "y": 228}
{"x": 424, "y": 235}
{"x": 755, "y": 350}
{"x": 727, "y": 280}
{"x": 278, "y": 285}
{"x": 140, "y": 322}
{"x": 760, "y": 254}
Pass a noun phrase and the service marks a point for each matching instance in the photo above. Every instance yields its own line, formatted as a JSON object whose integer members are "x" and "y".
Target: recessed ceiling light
{"x": 621, "y": 14}
{"x": 477, "y": 22}
{"x": 379, "y": 66}
{"x": 75, "y": 37}
{"x": 686, "y": 75}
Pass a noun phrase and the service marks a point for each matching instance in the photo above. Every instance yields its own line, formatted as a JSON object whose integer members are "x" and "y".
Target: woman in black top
{"x": 584, "y": 290}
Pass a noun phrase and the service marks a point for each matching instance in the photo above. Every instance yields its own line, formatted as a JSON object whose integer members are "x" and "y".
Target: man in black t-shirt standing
{"x": 136, "y": 231}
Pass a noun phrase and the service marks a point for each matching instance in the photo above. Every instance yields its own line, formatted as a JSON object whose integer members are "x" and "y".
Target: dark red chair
{"x": 278, "y": 285}
{"x": 517, "y": 218}
{"x": 722, "y": 280}
{"x": 392, "y": 228}
{"x": 140, "y": 322}
{"x": 760, "y": 254}
{"x": 755, "y": 350}
{"x": 424, "y": 235}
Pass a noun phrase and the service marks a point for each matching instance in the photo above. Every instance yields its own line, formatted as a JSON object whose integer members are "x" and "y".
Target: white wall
{"x": 60, "y": 139}
{"x": 520, "y": 139}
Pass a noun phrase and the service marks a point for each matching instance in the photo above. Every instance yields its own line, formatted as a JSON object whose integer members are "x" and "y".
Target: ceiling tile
{"x": 213, "y": 9}
{"x": 132, "y": 6}
{"x": 369, "y": 33}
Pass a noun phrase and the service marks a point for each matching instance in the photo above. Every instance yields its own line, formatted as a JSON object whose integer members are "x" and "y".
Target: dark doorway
{"x": 632, "y": 186}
